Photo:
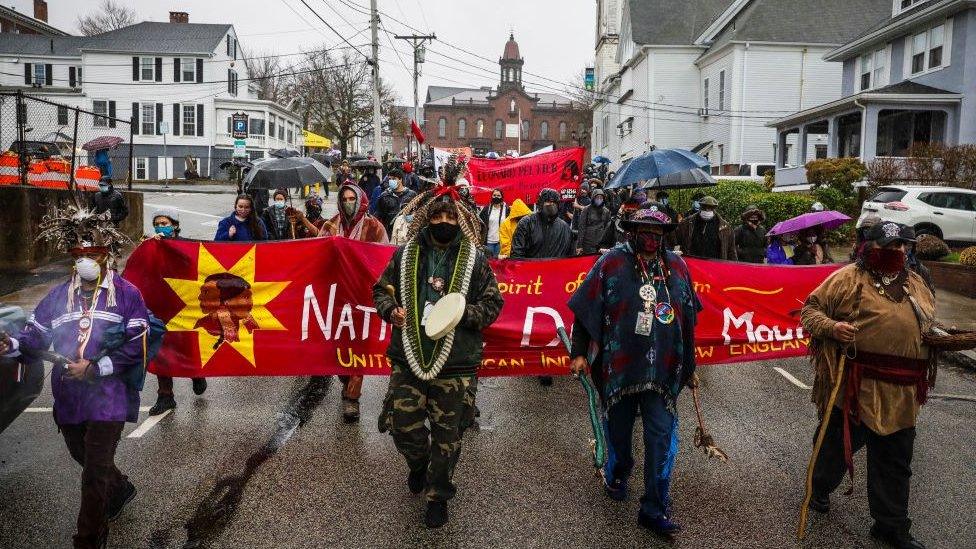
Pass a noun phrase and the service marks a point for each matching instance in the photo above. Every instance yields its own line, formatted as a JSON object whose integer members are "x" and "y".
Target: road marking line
{"x": 151, "y": 205}
{"x": 953, "y": 397}
{"x": 148, "y": 424}
{"x": 43, "y": 409}
{"x": 792, "y": 379}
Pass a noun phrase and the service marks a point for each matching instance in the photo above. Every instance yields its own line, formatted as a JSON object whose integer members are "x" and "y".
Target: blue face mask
{"x": 166, "y": 231}
{"x": 664, "y": 201}
{"x": 279, "y": 203}
{"x": 696, "y": 205}
{"x": 393, "y": 183}
{"x": 104, "y": 188}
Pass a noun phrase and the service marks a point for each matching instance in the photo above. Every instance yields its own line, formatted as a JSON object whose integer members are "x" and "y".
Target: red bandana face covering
{"x": 884, "y": 260}
{"x": 647, "y": 243}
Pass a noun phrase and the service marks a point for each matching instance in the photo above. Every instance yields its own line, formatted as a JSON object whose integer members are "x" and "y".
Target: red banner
{"x": 525, "y": 177}
{"x": 305, "y": 308}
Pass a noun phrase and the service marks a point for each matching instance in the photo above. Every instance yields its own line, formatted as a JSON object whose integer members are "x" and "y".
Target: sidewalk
{"x": 208, "y": 188}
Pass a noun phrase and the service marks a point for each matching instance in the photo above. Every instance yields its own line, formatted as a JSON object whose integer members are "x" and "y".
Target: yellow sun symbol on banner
{"x": 225, "y": 306}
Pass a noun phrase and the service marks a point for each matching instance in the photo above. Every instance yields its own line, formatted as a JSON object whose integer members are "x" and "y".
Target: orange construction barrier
{"x": 86, "y": 178}
{"x": 9, "y": 169}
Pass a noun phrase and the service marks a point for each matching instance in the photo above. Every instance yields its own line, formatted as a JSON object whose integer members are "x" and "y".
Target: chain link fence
{"x": 43, "y": 143}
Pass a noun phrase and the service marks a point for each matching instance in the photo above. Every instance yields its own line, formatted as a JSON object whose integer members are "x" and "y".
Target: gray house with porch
{"x": 909, "y": 80}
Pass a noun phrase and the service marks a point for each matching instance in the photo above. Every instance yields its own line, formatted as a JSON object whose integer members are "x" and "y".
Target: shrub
{"x": 885, "y": 171}
{"x": 734, "y": 196}
{"x": 968, "y": 256}
{"x": 931, "y": 247}
{"x": 839, "y": 173}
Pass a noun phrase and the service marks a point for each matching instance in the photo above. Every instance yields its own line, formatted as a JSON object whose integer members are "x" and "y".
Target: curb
{"x": 963, "y": 359}
{"x": 181, "y": 190}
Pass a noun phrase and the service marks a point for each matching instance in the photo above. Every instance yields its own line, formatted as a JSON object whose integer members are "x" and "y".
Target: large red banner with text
{"x": 305, "y": 308}
{"x": 525, "y": 177}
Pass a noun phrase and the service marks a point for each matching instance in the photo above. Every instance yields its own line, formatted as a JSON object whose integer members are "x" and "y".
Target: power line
{"x": 368, "y": 60}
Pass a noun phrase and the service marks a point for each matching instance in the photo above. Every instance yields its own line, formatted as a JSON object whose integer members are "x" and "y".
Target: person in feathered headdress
{"x": 98, "y": 324}
{"x": 432, "y": 380}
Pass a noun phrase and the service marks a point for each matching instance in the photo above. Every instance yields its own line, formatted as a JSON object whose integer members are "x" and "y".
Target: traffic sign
{"x": 239, "y": 122}
{"x": 240, "y": 148}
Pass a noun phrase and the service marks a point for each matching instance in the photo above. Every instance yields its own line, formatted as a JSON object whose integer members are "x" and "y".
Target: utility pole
{"x": 418, "y": 41}
{"x": 374, "y": 21}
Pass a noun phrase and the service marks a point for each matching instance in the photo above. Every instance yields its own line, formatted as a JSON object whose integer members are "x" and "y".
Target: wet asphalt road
{"x": 267, "y": 462}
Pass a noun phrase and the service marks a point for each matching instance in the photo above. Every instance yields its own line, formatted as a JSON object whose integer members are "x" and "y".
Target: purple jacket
{"x": 106, "y": 397}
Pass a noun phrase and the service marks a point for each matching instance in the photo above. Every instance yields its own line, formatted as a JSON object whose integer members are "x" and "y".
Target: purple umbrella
{"x": 829, "y": 219}
{"x": 103, "y": 142}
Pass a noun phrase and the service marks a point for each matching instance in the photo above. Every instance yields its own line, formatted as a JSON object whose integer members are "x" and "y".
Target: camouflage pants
{"x": 447, "y": 405}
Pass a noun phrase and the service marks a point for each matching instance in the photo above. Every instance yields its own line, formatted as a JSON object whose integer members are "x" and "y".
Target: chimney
{"x": 179, "y": 17}
{"x": 40, "y": 10}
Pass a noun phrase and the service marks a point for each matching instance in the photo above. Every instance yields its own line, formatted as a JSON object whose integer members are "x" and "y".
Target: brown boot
{"x": 350, "y": 410}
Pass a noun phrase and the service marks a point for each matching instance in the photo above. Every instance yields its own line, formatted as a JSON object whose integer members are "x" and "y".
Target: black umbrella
{"x": 366, "y": 164}
{"x": 284, "y": 153}
{"x": 695, "y": 177}
{"x": 286, "y": 172}
{"x": 323, "y": 158}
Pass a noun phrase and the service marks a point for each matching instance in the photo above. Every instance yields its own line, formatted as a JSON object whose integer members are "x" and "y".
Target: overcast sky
{"x": 555, "y": 36}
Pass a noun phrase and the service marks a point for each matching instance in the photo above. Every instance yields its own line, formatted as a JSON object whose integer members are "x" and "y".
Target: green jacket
{"x": 484, "y": 304}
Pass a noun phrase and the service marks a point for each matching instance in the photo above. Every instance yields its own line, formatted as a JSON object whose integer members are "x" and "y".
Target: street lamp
{"x": 580, "y": 138}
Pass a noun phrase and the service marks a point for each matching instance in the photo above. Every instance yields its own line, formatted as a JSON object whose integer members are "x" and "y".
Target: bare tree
{"x": 266, "y": 69}
{"x": 335, "y": 96}
{"x": 584, "y": 100}
{"x": 109, "y": 16}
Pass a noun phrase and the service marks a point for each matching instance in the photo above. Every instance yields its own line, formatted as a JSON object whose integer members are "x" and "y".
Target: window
{"x": 936, "y": 42}
{"x": 142, "y": 168}
{"x": 189, "y": 120}
{"x": 231, "y": 82}
{"x": 499, "y": 129}
{"x": 442, "y": 127}
{"x": 271, "y": 126}
{"x": 562, "y": 131}
{"x": 148, "y": 119}
{"x": 526, "y": 127}
{"x": 705, "y": 96}
{"x": 255, "y": 126}
{"x": 281, "y": 131}
{"x": 62, "y": 115}
{"x": 928, "y": 49}
{"x": 544, "y": 130}
{"x": 626, "y": 127}
{"x": 952, "y": 201}
{"x": 906, "y": 4}
{"x": 39, "y": 74}
{"x": 462, "y": 127}
{"x": 100, "y": 108}
{"x": 188, "y": 69}
{"x": 899, "y": 130}
{"x": 866, "y": 71}
{"x": 290, "y": 135}
{"x": 479, "y": 128}
{"x": 886, "y": 195}
{"x": 147, "y": 68}
{"x": 511, "y": 106}
{"x": 872, "y": 69}
{"x": 721, "y": 90}
{"x": 605, "y": 130}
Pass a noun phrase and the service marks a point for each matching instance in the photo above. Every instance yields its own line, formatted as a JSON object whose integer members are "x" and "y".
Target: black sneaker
{"x": 163, "y": 403}
{"x": 545, "y": 381}
{"x": 436, "y": 515}
{"x": 820, "y": 504}
{"x": 199, "y": 385}
{"x": 416, "y": 480}
{"x": 895, "y": 539}
{"x": 118, "y": 500}
{"x": 662, "y": 526}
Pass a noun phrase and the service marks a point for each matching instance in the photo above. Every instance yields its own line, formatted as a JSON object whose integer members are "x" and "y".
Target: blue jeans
{"x": 660, "y": 430}
{"x": 493, "y": 249}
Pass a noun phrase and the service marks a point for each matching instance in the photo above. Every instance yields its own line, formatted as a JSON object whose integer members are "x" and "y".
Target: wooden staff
{"x": 801, "y": 530}
{"x": 703, "y": 439}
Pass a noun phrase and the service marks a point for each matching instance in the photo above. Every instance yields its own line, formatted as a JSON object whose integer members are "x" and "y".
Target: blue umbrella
{"x": 601, "y": 160}
{"x": 655, "y": 164}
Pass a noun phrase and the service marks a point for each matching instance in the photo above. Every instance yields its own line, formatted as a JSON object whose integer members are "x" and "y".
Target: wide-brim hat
{"x": 751, "y": 210}
{"x": 650, "y": 214}
{"x": 887, "y": 232}
{"x": 708, "y": 201}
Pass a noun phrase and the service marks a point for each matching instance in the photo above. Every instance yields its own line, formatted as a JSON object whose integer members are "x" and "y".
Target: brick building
{"x": 506, "y": 118}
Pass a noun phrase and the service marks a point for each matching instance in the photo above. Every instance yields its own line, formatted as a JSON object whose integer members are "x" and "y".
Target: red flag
{"x": 245, "y": 309}
{"x": 417, "y": 132}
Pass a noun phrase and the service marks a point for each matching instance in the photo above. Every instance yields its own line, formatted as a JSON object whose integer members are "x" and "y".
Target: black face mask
{"x": 496, "y": 200}
{"x": 444, "y": 232}
{"x": 312, "y": 213}
{"x": 550, "y": 210}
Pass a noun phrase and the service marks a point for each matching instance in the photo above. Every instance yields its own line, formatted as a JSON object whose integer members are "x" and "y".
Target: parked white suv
{"x": 946, "y": 212}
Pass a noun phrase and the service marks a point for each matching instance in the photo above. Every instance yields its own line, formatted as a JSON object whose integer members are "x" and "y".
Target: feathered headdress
{"x": 419, "y": 208}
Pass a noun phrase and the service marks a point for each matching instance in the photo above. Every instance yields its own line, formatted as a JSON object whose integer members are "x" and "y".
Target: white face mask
{"x": 811, "y": 239}
{"x": 707, "y": 215}
{"x": 88, "y": 269}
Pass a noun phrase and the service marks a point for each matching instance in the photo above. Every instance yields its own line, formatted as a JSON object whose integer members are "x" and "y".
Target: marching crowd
{"x": 634, "y": 329}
